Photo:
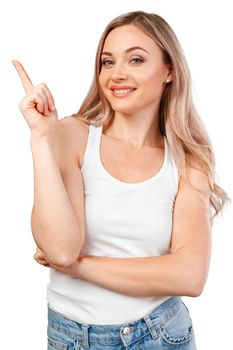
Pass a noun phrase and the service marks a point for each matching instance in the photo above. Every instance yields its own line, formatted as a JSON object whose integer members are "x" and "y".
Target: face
{"x": 133, "y": 75}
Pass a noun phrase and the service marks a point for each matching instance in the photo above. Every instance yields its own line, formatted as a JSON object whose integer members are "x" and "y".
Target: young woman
{"x": 124, "y": 195}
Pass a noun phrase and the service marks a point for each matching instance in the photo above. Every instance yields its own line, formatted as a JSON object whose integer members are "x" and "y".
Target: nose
{"x": 119, "y": 72}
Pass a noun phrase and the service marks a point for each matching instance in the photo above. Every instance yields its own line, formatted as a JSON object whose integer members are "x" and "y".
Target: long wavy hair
{"x": 178, "y": 118}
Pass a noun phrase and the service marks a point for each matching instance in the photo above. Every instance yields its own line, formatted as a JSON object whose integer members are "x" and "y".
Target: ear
{"x": 168, "y": 74}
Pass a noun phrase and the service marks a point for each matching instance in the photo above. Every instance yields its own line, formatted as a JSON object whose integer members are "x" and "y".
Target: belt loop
{"x": 151, "y": 327}
{"x": 85, "y": 343}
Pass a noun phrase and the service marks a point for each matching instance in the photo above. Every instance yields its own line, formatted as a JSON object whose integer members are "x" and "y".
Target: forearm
{"x": 166, "y": 275}
{"x": 55, "y": 226}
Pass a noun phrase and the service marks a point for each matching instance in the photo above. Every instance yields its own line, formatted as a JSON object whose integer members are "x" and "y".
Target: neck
{"x": 136, "y": 131}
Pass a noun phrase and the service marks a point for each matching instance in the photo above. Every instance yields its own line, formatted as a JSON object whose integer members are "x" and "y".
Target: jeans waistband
{"x": 125, "y": 333}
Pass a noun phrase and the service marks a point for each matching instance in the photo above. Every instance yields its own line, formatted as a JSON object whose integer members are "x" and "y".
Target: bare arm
{"x": 57, "y": 219}
{"x": 182, "y": 272}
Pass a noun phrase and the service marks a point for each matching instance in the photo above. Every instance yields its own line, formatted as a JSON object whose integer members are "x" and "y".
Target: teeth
{"x": 122, "y": 91}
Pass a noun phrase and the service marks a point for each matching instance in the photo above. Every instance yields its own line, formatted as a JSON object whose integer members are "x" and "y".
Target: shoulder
{"x": 73, "y": 128}
{"x": 71, "y": 138}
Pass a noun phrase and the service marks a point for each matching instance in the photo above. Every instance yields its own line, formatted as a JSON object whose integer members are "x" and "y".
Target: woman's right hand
{"x": 37, "y": 106}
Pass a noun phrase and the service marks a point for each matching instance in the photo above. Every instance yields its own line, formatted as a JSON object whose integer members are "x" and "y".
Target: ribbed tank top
{"x": 123, "y": 220}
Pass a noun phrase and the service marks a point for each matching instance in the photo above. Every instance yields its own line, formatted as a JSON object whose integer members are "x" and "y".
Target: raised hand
{"x": 37, "y": 106}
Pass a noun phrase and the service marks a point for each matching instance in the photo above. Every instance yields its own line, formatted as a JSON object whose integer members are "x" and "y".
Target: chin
{"x": 124, "y": 109}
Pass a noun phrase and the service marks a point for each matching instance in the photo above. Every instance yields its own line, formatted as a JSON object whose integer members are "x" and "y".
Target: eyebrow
{"x": 126, "y": 51}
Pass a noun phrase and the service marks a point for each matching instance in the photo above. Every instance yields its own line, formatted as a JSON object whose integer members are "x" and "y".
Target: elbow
{"x": 193, "y": 277}
{"x": 196, "y": 287}
{"x": 63, "y": 260}
{"x": 59, "y": 258}
{"x": 195, "y": 292}
{"x": 69, "y": 257}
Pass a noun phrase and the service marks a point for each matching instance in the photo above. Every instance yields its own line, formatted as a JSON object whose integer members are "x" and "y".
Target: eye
{"x": 136, "y": 60}
{"x": 106, "y": 62}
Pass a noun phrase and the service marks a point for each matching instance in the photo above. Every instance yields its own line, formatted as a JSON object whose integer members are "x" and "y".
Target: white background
{"x": 56, "y": 41}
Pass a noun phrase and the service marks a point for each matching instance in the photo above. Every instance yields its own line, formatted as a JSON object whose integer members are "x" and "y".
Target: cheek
{"x": 153, "y": 79}
{"x": 102, "y": 84}
{"x": 103, "y": 77}
{"x": 101, "y": 80}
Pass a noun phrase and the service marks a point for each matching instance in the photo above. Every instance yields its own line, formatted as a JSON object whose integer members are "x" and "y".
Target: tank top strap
{"x": 97, "y": 133}
{"x": 172, "y": 166}
{"x": 93, "y": 141}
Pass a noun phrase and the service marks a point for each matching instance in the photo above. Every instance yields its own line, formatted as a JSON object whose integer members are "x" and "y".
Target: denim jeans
{"x": 168, "y": 326}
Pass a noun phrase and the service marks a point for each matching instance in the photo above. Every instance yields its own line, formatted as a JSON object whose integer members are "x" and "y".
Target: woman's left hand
{"x": 73, "y": 270}
{"x": 39, "y": 256}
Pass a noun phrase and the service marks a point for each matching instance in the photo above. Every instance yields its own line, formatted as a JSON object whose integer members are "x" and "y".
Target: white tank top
{"x": 123, "y": 220}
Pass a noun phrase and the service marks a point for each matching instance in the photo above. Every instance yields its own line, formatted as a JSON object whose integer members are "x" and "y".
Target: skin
{"x": 136, "y": 116}
{"x": 184, "y": 270}
{"x": 57, "y": 219}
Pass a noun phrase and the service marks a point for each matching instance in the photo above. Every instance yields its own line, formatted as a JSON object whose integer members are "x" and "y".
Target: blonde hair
{"x": 178, "y": 118}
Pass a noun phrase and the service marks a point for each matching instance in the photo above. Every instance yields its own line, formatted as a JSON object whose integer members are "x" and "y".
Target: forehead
{"x": 121, "y": 38}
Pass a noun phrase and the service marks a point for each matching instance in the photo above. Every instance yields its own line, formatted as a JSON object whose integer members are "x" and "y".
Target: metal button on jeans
{"x": 126, "y": 331}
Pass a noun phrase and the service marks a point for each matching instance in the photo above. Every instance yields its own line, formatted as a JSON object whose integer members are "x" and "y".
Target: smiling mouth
{"x": 122, "y": 92}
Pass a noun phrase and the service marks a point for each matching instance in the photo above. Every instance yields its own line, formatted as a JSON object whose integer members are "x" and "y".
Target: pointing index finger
{"x": 26, "y": 81}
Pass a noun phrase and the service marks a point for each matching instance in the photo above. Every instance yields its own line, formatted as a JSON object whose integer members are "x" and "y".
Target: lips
{"x": 122, "y": 91}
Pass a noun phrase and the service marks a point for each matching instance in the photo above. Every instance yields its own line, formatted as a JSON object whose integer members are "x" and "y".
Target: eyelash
{"x": 139, "y": 60}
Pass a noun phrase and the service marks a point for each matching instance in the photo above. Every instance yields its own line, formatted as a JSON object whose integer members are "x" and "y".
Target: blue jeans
{"x": 168, "y": 326}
